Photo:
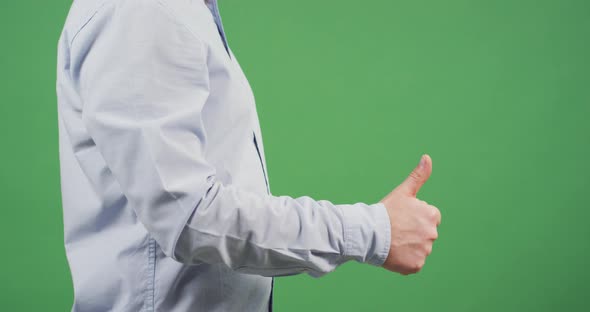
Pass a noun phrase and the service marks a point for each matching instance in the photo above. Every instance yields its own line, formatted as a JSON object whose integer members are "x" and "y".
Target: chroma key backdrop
{"x": 350, "y": 94}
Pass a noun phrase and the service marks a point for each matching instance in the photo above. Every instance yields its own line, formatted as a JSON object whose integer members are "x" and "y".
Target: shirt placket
{"x": 214, "y": 8}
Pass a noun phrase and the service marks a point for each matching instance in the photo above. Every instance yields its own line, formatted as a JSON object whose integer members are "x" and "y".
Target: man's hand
{"x": 413, "y": 222}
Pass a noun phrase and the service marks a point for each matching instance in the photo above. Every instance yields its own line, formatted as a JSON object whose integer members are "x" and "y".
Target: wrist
{"x": 367, "y": 233}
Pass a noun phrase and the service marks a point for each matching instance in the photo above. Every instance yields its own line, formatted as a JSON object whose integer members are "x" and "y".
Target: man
{"x": 165, "y": 191}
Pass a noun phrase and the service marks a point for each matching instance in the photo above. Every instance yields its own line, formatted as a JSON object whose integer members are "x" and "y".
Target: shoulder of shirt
{"x": 83, "y": 12}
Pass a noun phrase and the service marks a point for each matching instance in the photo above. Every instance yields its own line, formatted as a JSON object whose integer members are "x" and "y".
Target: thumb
{"x": 418, "y": 177}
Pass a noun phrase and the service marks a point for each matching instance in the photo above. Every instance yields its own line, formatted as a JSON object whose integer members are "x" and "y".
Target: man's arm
{"x": 280, "y": 235}
{"x": 143, "y": 78}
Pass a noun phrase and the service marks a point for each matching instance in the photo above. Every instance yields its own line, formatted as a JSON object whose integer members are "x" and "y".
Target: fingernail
{"x": 422, "y": 161}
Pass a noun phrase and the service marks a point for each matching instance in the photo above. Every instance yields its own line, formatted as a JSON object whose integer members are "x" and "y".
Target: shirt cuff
{"x": 367, "y": 233}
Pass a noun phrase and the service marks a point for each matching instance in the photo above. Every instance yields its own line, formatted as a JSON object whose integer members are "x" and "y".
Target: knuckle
{"x": 412, "y": 268}
{"x": 432, "y": 234}
{"x": 435, "y": 214}
{"x": 435, "y": 235}
{"x": 417, "y": 267}
{"x": 415, "y": 175}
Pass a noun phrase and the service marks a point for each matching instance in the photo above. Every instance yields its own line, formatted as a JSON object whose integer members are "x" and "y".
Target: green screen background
{"x": 350, "y": 94}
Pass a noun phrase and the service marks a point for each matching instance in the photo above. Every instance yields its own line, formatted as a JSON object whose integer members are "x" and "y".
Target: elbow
{"x": 167, "y": 219}
{"x": 191, "y": 247}
{"x": 183, "y": 249}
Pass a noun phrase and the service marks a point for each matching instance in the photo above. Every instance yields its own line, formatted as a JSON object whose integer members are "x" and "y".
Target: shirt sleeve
{"x": 143, "y": 81}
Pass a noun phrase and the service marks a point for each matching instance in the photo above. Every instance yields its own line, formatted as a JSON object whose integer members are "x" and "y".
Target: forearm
{"x": 280, "y": 235}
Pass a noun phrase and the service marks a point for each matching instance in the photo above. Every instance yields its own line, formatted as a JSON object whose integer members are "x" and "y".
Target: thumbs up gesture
{"x": 413, "y": 222}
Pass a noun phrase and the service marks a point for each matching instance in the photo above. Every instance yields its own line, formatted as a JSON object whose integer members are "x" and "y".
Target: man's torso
{"x": 115, "y": 264}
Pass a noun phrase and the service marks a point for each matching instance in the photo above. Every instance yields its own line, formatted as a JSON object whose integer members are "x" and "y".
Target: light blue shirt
{"x": 165, "y": 192}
